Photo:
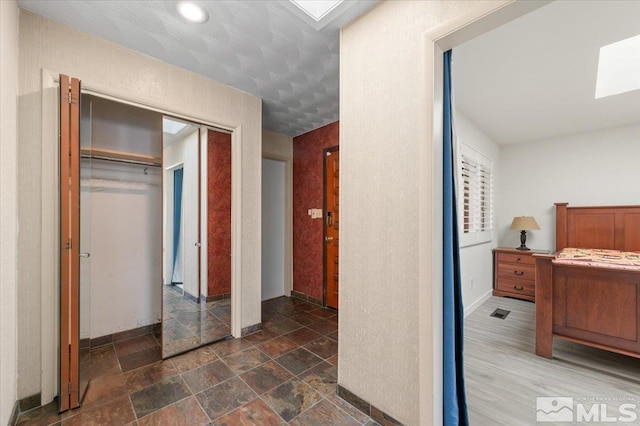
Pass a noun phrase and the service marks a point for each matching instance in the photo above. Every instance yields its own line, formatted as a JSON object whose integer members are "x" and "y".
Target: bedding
{"x": 599, "y": 258}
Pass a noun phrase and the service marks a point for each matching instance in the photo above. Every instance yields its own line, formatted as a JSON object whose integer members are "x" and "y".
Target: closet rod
{"x": 120, "y": 156}
{"x": 120, "y": 160}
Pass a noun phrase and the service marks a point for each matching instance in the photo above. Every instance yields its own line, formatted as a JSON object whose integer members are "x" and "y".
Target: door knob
{"x": 197, "y": 244}
{"x": 328, "y": 238}
{"x": 85, "y": 255}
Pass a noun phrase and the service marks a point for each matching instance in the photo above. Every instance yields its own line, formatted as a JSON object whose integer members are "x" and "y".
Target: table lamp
{"x": 524, "y": 224}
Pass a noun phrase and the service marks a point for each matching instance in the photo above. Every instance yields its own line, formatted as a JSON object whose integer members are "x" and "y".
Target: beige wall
{"x": 386, "y": 240}
{"x": 8, "y": 204}
{"x": 277, "y": 145}
{"x": 101, "y": 64}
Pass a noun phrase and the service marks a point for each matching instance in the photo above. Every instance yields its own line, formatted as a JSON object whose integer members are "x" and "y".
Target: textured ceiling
{"x": 534, "y": 78}
{"x": 260, "y": 47}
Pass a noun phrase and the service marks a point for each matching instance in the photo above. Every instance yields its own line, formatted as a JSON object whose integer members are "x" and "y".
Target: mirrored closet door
{"x": 197, "y": 236}
{"x": 145, "y": 235}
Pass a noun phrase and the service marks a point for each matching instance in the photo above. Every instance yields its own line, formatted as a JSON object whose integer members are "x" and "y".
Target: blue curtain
{"x": 177, "y": 221}
{"x": 455, "y": 401}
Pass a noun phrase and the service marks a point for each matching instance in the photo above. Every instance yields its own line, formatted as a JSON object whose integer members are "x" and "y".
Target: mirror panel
{"x": 196, "y": 282}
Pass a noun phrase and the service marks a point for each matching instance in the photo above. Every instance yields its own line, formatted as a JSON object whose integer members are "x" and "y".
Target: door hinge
{"x": 70, "y": 97}
{"x": 69, "y": 247}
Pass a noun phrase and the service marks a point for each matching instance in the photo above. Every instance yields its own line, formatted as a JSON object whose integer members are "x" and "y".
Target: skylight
{"x": 317, "y": 9}
{"x": 619, "y": 68}
{"x": 171, "y": 126}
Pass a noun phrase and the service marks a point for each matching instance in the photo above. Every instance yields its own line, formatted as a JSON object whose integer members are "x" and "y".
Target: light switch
{"x": 315, "y": 213}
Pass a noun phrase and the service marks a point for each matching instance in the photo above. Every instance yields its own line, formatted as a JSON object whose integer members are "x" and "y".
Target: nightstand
{"x": 514, "y": 273}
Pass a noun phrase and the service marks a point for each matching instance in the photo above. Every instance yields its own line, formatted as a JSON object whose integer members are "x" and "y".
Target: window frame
{"x": 485, "y": 165}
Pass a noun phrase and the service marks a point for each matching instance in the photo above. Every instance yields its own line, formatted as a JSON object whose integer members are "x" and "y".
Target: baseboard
{"x": 475, "y": 305}
{"x": 215, "y": 298}
{"x": 123, "y": 335}
{"x": 250, "y": 329}
{"x": 29, "y": 402}
{"x": 190, "y": 297}
{"x": 376, "y": 414}
{"x": 182, "y": 292}
{"x": 305, "y": 297}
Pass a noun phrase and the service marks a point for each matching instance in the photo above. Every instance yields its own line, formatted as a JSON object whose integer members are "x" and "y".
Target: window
{"x": 475, "y": 195}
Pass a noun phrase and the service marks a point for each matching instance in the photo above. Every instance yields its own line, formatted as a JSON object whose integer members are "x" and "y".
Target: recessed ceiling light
{"x": 192, "y": 12}
{"x": 317, "y": 9}
{"x": 619, "y": 68}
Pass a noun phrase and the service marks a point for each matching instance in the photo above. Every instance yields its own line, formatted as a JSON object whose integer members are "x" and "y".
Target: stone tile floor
{"x": 284, "y": 374}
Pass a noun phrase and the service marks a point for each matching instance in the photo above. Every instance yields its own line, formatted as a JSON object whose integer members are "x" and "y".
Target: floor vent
{"x": 500, "y": 313}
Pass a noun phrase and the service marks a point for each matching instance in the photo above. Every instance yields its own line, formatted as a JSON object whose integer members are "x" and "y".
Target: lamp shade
{"x": 524, "y": 223}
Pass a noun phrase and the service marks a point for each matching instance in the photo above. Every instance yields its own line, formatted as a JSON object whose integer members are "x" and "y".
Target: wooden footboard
{"x": 593, "y": 306}
{"x": 589, "y": 305}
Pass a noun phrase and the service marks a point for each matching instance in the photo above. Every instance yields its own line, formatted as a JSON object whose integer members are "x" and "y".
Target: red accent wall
{"x": 308, "y": 175}
{"x": 219, "y": 212}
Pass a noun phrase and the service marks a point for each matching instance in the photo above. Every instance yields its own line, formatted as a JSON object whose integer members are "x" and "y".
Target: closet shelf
{"x": 121, "y": 156}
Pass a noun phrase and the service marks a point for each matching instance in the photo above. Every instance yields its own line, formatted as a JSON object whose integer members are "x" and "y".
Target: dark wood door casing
{"x": 331, "y": 226}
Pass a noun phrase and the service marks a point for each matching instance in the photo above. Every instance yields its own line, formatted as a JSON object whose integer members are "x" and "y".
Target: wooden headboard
{"x": 601, "y": 227}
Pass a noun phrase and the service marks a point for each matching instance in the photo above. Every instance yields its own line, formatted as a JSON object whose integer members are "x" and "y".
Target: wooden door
{"x": 69, "y": 392}
{"x": 331, "y": 226}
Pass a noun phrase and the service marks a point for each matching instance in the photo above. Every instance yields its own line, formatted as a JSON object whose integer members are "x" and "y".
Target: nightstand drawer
{"x": 517, "y": 271}
{"x": 516, "y": 258}
{"x": 516, "y": 286}
{"x": 514, "y": 273}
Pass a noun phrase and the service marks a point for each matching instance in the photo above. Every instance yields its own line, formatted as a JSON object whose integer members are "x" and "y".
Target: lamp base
{"x": 523, "y": 240}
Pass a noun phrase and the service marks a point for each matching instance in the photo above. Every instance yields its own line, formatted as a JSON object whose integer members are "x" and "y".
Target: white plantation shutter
{"x": 475, "y": 195}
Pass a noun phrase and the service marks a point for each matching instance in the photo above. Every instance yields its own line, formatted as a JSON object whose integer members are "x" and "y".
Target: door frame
{"x": 436, "y": 41}
{"x": 50, "y": 206}
{"x": 168, "y": 213}
{"x": 334, "y": 148}
{"x": 288, "y": 219}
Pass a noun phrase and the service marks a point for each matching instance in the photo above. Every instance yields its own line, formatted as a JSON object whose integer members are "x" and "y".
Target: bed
{"x": 591, "y": 297}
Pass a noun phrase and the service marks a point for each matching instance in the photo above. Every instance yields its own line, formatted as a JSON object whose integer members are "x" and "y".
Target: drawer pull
{"x": 518, "y": 272}
{"x": 518, "y": 259}
{"x": 518, "y": 287}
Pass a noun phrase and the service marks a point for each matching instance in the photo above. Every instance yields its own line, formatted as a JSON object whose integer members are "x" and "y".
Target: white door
{"x": 273, "y": 224}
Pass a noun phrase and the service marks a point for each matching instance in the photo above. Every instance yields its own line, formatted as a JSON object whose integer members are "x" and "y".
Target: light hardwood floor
{"x": 504, "y": 376}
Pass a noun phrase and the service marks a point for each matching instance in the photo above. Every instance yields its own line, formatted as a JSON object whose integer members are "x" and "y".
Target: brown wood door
{"x": 69, "y": 392}
{"x": 331, "y": 226}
